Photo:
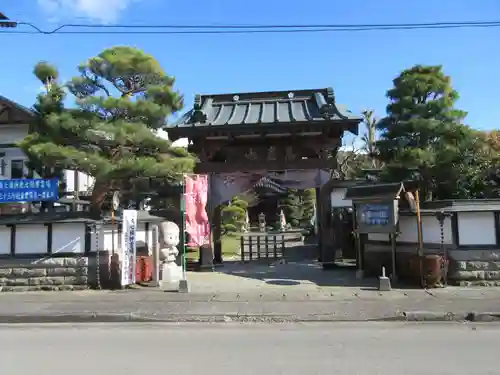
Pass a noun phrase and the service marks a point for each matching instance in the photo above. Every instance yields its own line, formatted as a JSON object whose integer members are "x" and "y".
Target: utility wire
{"x": 241, "y": 29}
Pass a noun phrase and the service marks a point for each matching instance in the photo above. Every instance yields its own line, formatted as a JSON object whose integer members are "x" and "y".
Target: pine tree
{"x": 233, "y": 215}
{"x": 122, "y": 98}
{"x": 307, "y": 198}
{"x": 424, "y": 132}
{"x": 291, "y": 206}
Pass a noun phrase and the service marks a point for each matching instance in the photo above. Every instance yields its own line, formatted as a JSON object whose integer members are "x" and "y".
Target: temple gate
{"x": 286, "y": 135}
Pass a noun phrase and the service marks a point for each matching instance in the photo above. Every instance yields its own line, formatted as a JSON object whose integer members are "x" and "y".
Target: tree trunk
{"x": 98, "y": 197}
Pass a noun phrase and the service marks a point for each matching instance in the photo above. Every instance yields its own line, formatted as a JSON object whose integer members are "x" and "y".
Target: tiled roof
{"x": 7, "y": 102}
{"x": 389, "y": 190}
{"x": 279, "y": 107}
{"x": 267, "y": 183}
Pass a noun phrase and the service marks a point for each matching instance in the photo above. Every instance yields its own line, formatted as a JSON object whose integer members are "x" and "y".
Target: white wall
{"x": 31, "y": 239}
{"x": 13, "y": 133}
{"x": 5, "y": 233}
{"x": 337, "y": 198}
{"x": 85, "y": 181}
{"x": 68, "y": 238}
{"x": 474, "y": 228}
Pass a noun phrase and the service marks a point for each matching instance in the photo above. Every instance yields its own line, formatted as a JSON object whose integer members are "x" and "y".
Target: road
{"x": 228, "y": 349}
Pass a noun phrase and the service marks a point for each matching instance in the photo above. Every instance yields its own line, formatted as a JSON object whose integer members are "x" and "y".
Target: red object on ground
{"x": 143, "y": 269}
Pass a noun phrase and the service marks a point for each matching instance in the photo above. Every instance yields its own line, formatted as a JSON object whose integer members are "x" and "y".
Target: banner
{"x": 197, "y": 221}
{"x": 128, "y": 253}
{"x": 224, "y": 186}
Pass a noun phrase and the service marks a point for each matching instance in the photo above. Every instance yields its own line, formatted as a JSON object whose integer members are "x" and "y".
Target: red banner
{"x": 197, "y": 222}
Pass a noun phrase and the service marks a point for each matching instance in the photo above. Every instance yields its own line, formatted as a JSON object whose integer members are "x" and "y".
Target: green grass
{"x": 230, "y": 247}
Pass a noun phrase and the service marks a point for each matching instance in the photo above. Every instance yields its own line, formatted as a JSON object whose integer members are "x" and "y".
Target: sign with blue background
{"x": 29, "y": 190}
{"x": 376, "y": 214}
{"x": 377, "y": 217}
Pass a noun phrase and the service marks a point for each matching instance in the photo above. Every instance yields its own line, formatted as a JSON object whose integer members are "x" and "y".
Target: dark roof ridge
{"x": 271, "y": 93}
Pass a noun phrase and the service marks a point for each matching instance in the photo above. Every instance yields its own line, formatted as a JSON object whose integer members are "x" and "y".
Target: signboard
{"x": 29, "y": 190}
{"x": 128, "y": 245}
{"x": 377, "y": 217}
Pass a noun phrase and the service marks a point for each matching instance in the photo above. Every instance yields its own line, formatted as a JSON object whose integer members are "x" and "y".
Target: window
{"x": 3, "y": 164}
{"x": 17, "y": 169}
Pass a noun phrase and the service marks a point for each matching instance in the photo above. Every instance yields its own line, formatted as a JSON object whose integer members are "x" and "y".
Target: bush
{"x": 229, "y": 228}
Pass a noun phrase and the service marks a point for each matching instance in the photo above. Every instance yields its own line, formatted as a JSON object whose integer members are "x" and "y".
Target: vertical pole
{"x": 76, "y": 190}
{"x": 217, "y": 235}
{"x": 357, "y": 241}
{"x": 156, "y": 256}
{"x": 393, "y": 246}
{"x": 267, "y": 245}
{"x": 250, "y": 247}
{"x": 183, "y": 228}
{"x": 242, "y": 248}
{"x": 275, "y": 247}
{"x": 258, "y": 247}
{"x": 113, "y": 218}
{"x": 420, "y": 239}
{"x": 183, "y": 282}
{"x": 318, "y": 222}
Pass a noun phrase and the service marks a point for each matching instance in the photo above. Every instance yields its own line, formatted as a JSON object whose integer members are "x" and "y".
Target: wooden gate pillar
{"x": 217, "y": 234}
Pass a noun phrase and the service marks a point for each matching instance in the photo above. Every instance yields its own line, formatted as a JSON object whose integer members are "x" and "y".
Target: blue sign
{"x": 29, "y": 190}
{"x": 376, "y": 214}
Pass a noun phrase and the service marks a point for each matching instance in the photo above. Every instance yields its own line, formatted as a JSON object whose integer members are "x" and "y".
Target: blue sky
{"x": 359, "y": 66}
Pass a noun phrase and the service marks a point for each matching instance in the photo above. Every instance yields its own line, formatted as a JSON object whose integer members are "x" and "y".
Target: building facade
{"x": 15, "y": 125}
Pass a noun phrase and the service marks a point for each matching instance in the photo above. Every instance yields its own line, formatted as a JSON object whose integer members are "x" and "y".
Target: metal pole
{"x": 183, "y": 283}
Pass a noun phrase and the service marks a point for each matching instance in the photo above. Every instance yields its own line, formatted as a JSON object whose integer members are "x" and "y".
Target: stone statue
{"x": 246, "y": 226}
{"x": 262, "y": 222}
{"x": 170, "y": 272}
{"x": 282, "y": 221}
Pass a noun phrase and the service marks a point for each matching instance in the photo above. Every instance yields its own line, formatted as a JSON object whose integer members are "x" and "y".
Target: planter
{"x": 143, "y": 269}
{"x": 431, "y": 267}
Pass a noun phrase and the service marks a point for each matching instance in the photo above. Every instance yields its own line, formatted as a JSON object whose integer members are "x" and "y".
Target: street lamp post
{"x": 5, "y": 22}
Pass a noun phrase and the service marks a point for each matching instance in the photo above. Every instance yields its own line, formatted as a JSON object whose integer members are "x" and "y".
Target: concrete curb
{"x": 409, "y": 316}
{"x": 431, "y": 316}
{"x": 171, "y": 318}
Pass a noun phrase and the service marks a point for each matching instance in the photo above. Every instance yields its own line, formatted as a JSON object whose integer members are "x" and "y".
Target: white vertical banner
{"x": 128, "y": 246}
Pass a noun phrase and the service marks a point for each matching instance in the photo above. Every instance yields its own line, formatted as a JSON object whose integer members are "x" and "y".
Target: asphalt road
{"x": 315, "y": 348}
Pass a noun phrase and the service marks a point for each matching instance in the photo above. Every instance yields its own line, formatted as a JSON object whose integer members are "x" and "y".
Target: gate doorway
{"x": 241, "y": 137}
{"x": 262, "y": 247}
{"x": 345, "y": 227}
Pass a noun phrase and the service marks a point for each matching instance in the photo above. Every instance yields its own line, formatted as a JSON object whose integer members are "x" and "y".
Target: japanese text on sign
{"x": 27, "y": 190}
{"x": 375, "y": 214}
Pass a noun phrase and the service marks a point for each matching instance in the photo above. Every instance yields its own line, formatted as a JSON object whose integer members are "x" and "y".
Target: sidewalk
{"x": 342, "y": 304}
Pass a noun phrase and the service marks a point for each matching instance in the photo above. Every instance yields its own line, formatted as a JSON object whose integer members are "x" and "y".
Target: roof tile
{"x": 280, "y": 107}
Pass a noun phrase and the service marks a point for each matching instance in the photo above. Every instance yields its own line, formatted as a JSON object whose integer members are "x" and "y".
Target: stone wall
{"x": 53, "y": 273}
{"x": 480, "y": 267}
{"x": 466, "y": 267}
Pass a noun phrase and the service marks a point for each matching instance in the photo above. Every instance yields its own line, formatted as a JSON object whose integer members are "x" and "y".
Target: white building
{"x": 15, "y": 123}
